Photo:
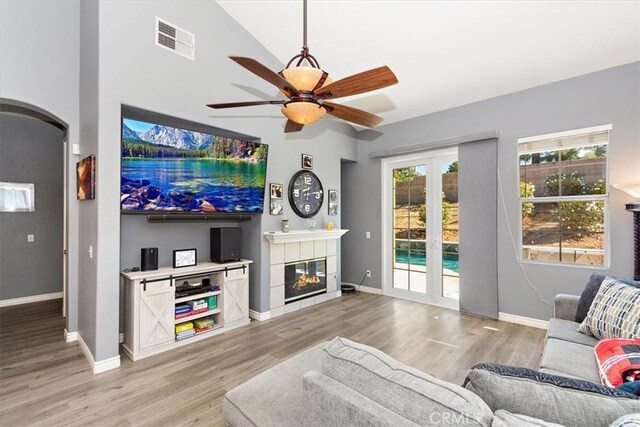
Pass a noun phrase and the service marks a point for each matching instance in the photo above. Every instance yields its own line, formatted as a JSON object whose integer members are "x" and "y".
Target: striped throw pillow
{"x": 614, "y": 313}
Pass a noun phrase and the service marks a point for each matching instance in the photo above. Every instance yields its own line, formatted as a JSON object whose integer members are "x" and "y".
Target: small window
{"x": 563, "y": 196}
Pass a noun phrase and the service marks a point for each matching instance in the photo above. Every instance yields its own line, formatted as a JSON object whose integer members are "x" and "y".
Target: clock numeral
{"x": 296, "y": 192}
{"x": 318, "y": 195}
{"x": 307, "y": 208}
{"x": 307, "y": 180}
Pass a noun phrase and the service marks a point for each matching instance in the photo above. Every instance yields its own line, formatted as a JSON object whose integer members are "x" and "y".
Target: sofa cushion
{"x": 331, "y": 403}
{"x": 589, "y": 293}
{"x": 567, "y": 330}
{"x": 276, "y": 396}
{"x": 400, "y": 388}
{"x": 615, "y": 312}
{"x": 550, "y": 398}
{"x": 507, "y": 419}
{"x": 630, "y": 420}
{"x": 575, "y": 360}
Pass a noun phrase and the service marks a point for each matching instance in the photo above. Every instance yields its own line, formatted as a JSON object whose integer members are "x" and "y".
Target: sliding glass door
{"x": 420, "y": 216}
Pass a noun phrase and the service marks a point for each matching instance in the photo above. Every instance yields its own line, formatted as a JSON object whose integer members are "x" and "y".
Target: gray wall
{"x": 40, "y": 69}
{"x": 31, "y": 150}
{"x": 133, "y": 71}
{"x": 42, "y": 59}
{"x": 88, "y": 304}
{"x": 609, "y": 96}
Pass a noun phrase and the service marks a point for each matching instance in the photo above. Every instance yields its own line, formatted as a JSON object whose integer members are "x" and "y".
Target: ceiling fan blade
{"x": 244, "y": 104}
{"x": 358, "y": 83}
{"x": 292, "y": 126}
{"x": 263, "y": 72}
{"x": 352, "y": 115}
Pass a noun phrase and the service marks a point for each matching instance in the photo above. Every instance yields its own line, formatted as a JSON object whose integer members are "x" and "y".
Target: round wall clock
{"x": 305, "y": 194}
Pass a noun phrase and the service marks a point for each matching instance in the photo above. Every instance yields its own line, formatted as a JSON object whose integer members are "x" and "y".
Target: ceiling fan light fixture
{"x": 305, "y": 78}
{"x": 303, "y": 112}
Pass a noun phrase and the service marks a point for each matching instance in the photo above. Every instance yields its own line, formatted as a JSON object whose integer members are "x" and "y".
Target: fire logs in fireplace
{"x": 304, "y": 279}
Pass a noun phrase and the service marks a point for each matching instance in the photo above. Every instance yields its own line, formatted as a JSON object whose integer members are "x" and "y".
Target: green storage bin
{"x": 213, "y": 302}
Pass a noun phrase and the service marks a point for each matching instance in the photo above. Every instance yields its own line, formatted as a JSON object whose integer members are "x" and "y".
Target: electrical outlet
{"x": 368, "y": 273}
{"x": 368, "y": 235}
{"x": 30, "y": 238}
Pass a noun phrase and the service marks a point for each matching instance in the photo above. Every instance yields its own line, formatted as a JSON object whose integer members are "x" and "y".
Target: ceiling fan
{"x": 308, "y": 87}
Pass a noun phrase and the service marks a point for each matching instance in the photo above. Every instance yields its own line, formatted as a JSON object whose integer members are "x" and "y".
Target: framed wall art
{"x": 86, "y": 178}
{"x": 307, "y": 161}
{"x": 333, "y": 202}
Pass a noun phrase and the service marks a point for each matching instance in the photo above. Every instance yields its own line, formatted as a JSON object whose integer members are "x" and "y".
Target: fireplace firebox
{"x": 303, "y": 279}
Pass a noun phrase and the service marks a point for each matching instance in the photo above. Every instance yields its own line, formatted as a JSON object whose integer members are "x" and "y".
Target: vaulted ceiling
{"x": 447, "y": 53}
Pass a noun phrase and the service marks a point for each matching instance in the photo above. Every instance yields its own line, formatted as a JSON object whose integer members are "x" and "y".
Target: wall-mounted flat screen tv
{"x": 167, "y": 169}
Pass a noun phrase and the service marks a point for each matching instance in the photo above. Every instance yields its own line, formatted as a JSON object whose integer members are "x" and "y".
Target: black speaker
{"x": 226, "y": 244}
{"x": 148, "y": 259}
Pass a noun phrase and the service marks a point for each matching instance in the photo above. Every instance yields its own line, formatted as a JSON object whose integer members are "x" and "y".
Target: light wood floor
{"x": 46, "y": 381}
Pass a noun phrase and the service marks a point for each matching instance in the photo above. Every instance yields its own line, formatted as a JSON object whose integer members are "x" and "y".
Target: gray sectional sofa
{"x": 568, "y": 352}
{"x": 342, "y": 383}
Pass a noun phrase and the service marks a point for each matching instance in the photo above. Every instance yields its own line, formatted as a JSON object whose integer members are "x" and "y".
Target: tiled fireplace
{"x": 303, "y": 269}
{"x": 304, "y": 279}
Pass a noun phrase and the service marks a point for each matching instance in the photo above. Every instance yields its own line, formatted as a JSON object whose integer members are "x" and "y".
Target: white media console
{"x": 150, "y": 302}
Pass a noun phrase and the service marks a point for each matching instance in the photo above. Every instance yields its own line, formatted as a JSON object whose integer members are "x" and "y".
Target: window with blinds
{"x": 563, "y": 196}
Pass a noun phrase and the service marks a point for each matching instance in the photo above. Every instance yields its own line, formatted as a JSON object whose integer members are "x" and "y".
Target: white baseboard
{"x": 370, "y": 290}
{"x": 30, "y": 299}
{"x": 256, "y": 315}
{"x": 521, "y": 320}
{"x": 100, "y": 366}
{"x": 366, "y": 289}
{"x": 70, "y": 336}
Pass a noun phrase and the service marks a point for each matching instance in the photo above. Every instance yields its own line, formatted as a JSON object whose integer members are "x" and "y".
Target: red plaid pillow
{"x": 618, "y": 360}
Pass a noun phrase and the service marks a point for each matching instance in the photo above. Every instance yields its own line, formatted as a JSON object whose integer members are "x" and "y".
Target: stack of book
{"x": 203, "y": 325}
{"x": 191, "y": 308}
{"x": 185, "y": 330}
{"x": 183, "y": 310}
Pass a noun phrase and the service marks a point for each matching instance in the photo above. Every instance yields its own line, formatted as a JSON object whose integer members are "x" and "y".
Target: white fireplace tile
{"x": 332, "y": 283}
{"x": 306, "y": 250}
{"x": 276, "y": 275}
{"x": 278, "y": 311}
{"x": 277, "y": 254}
{"x": 320, "y": 248}
{"x": 332, "y": 247}
{"x": 332, "y": 295}
{"x": 276, "y": 297}
{"x": 320, "y": 298}
{"x": 331, "y": 265}
{"x": 292, "y": 306}
{"x": 308, "y": 302}
{"x": 291, "y": 252}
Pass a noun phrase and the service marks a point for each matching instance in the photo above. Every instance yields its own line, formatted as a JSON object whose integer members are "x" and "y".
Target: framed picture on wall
{"x": 333, "y": 202}
{"x": 307, "y": 161}
{"x": 86, "y": 178}
{"x": 275, "y": 200}
{"x": 276, "y": 207}
{"x": 276, "y": 191}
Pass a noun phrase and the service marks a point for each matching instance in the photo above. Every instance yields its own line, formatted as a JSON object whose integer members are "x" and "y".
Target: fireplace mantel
{"x": 277, "y": 237}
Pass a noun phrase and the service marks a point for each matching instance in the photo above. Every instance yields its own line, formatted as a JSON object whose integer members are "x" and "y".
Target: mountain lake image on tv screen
{"x": 167, "y": 169}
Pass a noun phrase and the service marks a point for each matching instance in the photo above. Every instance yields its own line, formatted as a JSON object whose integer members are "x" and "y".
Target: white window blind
{"x": 588, "y": 138}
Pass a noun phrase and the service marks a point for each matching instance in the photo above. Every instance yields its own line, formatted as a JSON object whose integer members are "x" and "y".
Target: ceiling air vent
{"x": 175, "y": 39}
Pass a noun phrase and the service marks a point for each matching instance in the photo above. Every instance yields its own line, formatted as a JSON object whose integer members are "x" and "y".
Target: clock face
{"x": 306, "y": 194}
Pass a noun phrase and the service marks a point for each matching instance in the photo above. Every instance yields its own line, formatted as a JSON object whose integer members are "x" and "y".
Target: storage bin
{"x": 213, "y": 302}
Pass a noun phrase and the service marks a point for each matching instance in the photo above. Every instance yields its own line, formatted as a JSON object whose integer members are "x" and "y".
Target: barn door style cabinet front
{"x": 172, "y": 307}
